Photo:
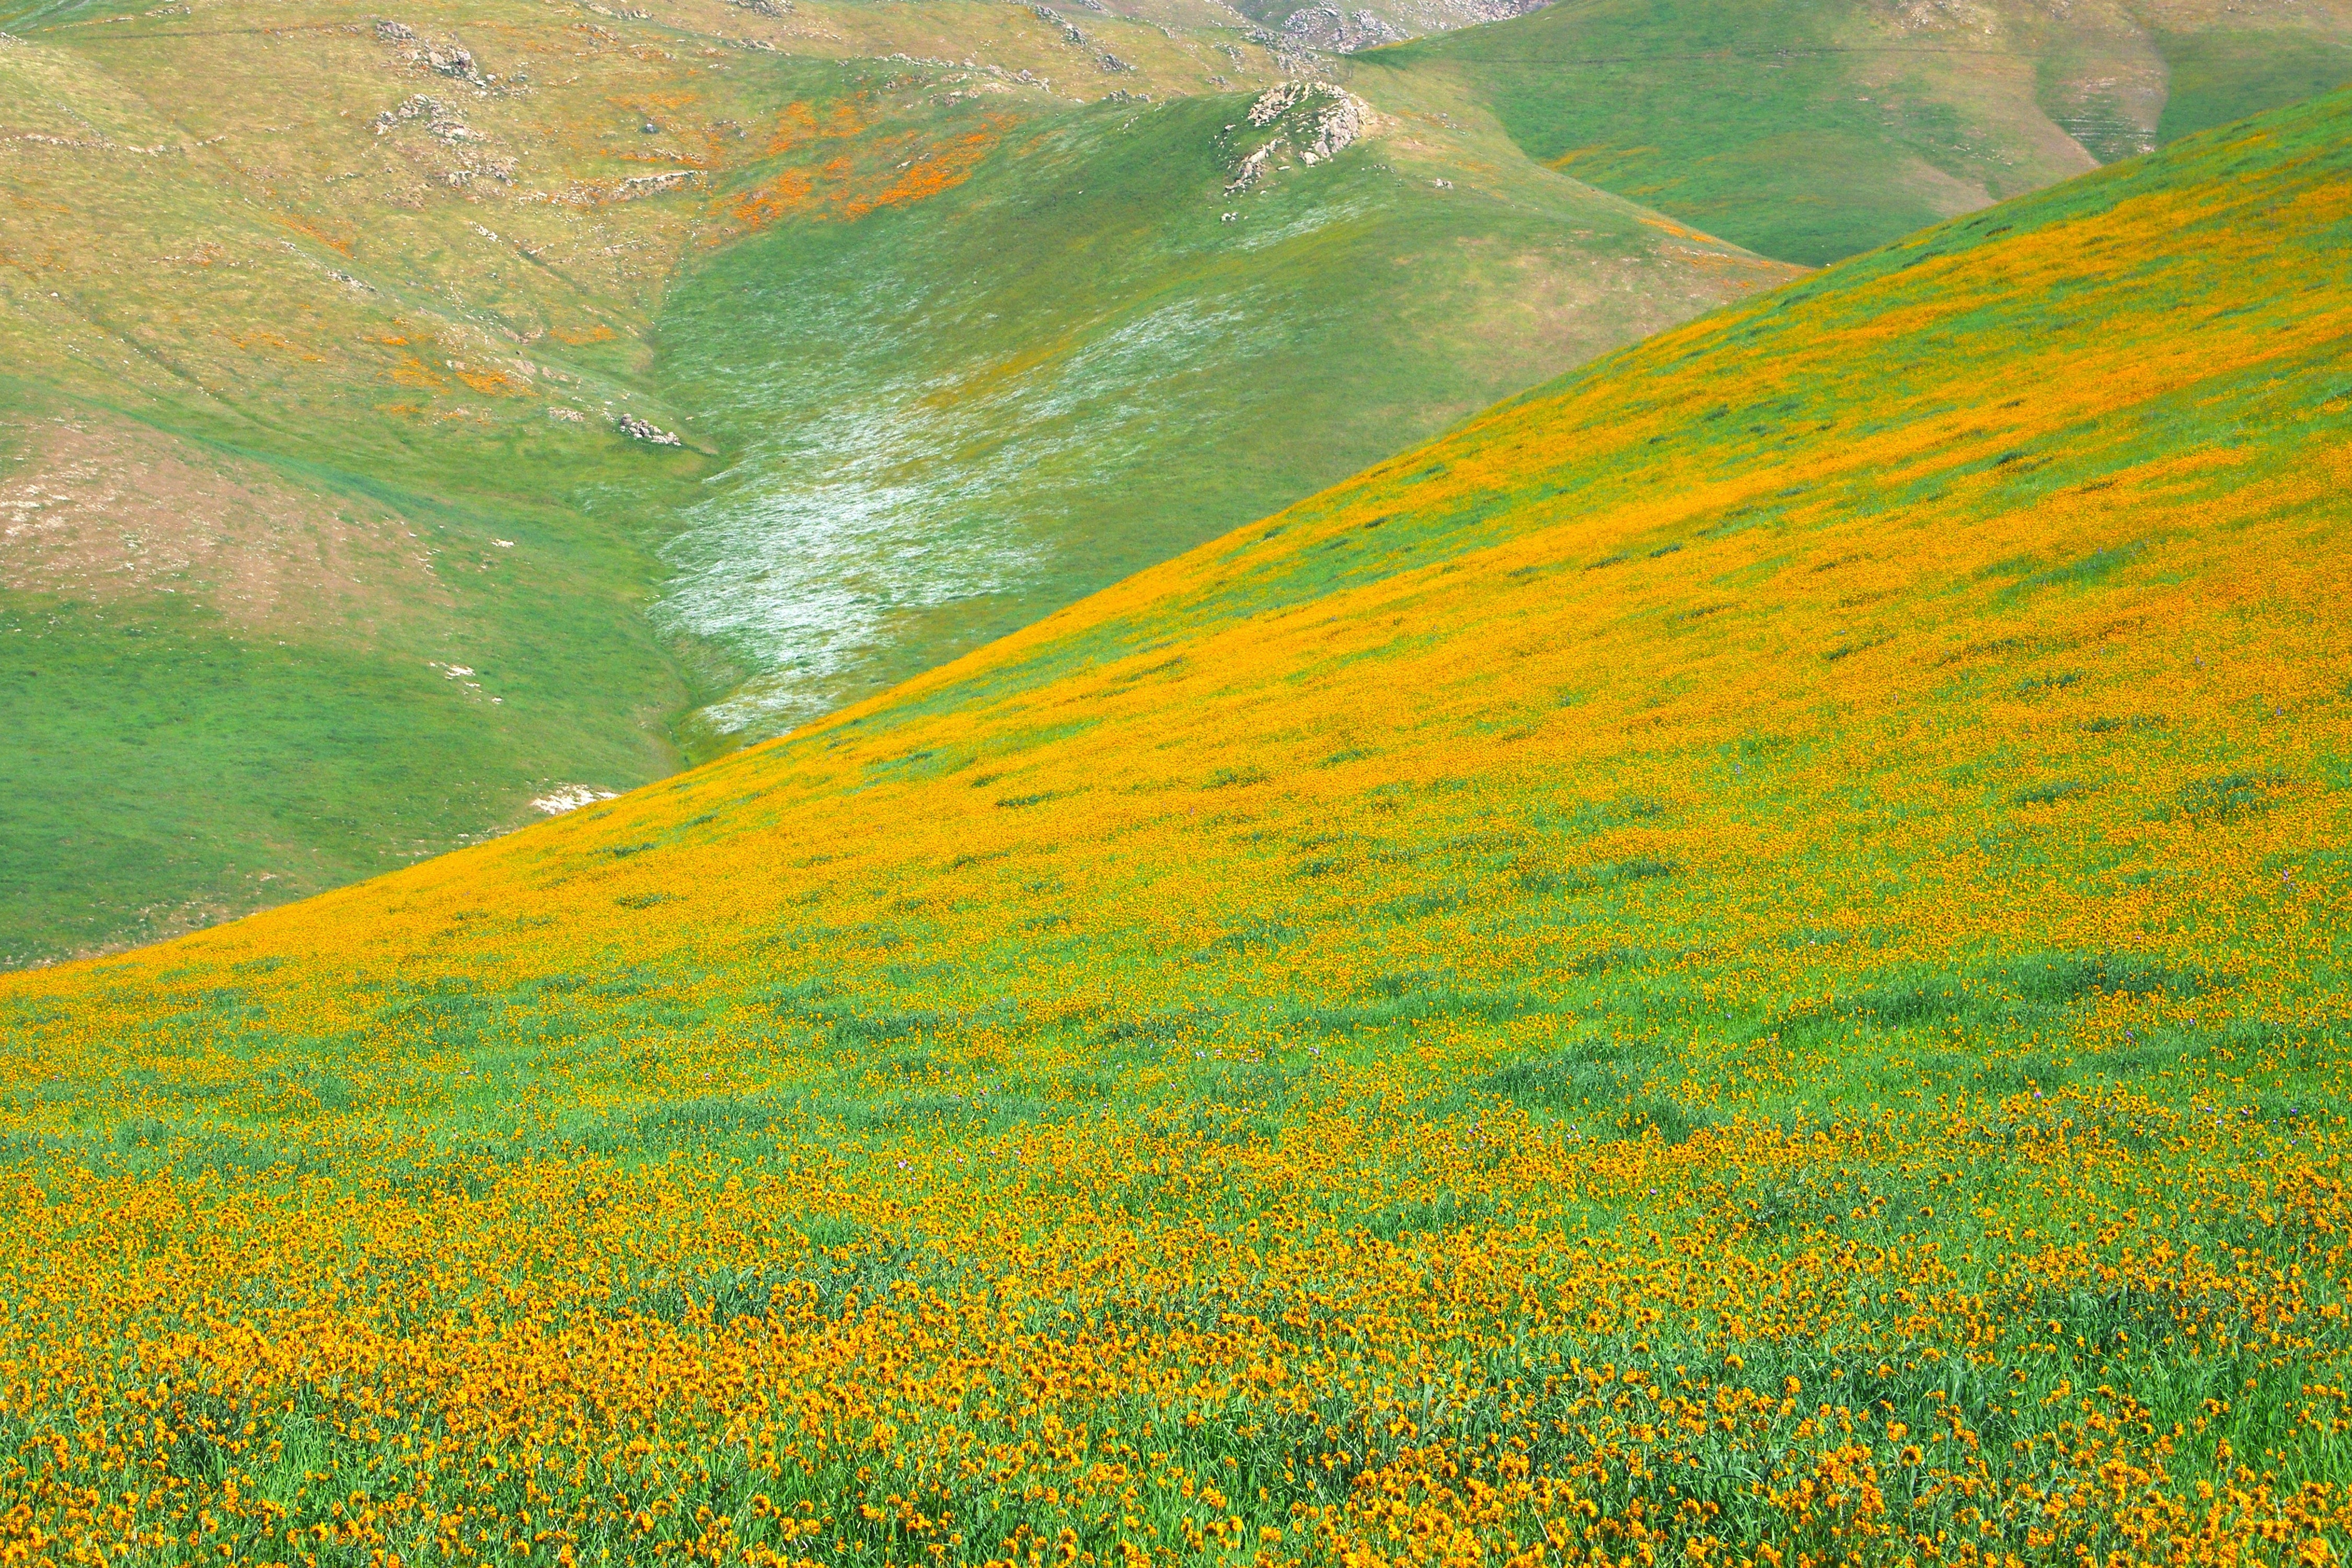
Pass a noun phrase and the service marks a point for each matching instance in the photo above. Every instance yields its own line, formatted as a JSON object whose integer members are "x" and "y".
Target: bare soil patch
{"x": 96, "y": 507}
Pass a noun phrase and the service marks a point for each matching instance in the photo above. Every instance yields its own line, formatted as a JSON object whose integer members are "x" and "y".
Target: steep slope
{"x": 1743, "y": 953}
{"x": 1115, "y": 340}
{"x": 323, "y": 324}
{"x": 327, "y": 543}
{"x": 1815, "y": 130}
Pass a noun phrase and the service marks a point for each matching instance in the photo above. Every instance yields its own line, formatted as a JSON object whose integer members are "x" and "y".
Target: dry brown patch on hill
{"x": 97, "y": 508}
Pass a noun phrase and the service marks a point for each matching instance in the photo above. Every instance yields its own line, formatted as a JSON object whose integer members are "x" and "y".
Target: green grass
{"x": 2223, "y": 75}
{"x": 312, "y": 303}
{"x": 910, "y": 434}
{"x": 169, "y": 765}
{"x": 1820, "y": 129}
{"x": 957, "y": 416}
{"x": 1315, "y": 1029}
{"x": 194, "y": 773}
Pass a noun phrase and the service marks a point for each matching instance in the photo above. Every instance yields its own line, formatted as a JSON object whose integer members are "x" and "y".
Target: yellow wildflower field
{"x": 1740, "y": 961}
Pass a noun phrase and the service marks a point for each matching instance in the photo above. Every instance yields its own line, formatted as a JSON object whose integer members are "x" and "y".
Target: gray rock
{"x": 637, "y": 429}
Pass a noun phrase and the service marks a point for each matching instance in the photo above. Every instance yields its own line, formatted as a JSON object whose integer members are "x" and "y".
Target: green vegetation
{"x": 959, "y": 416}
{"x": 1544, "y": 993}
{"x": 1811, "y": 132}
{"x": 307, "y": 313}
{"x": 2219, "y": 76}
{"x": 280, "y": 417}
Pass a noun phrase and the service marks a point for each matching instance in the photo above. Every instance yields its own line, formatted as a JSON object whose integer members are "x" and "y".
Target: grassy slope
{"x": 1748, "y": 948}
{"x": 263, "y": 277}
{"x": 266, "y": 287}
{"x": 308, "y": 263}
{"x": 1088, "y": 357}
{"x": 256, "y": 277}
{"x": 1812, "y": 131}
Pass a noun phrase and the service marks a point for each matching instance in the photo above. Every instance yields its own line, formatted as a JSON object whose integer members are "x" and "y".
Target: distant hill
{"x": 956, "y": 416}
{"x": 1814, "y": 130}
{"x": 1739, "y": 957}
{"x": 330, "y": 542}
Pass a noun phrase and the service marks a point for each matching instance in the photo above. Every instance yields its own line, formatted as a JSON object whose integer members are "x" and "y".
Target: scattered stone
{"x": 1070, "y": 33}
{"x": 1328, "y": 27}
{"x": 637, "y": 429}
{"x": 569, "y": 797}
{"x": 451, "y": 60}
{"x": 1278, "y": 100}
{"x": 1112, "y": 62}
{"x": 652, "y": 184}
{"x": 418, "y": 107}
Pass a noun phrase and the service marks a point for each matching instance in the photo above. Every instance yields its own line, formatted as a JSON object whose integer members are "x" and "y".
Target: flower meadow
{"x": 1737, "y": 963}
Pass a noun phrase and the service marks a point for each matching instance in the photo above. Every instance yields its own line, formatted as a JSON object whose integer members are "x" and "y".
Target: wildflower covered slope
{"x": 1737, "y": 961}
{"x": 411, "y": 417}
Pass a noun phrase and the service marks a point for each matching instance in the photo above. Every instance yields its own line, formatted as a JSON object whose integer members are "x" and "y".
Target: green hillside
{"x": 1741, "y": 959}
{"x": 957, "y": 416}
{"x": 326, "y": 548}
{"x": 1810, "y": 130}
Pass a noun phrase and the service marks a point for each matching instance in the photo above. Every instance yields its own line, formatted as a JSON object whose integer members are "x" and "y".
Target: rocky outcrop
{"x": 449, "y": 59}
{"x": 1070, "y": 33}
{"x": 637, "y": 429}
{"x": 1315, "y": 120}
{"x": 1337, "y": 126}
{"x": 1341, "y": 32}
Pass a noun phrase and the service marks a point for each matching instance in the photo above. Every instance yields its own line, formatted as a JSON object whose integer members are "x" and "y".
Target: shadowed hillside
{"x": 1743, "y": 953}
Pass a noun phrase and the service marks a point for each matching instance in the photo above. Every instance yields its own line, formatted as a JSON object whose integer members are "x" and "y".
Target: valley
{"x": 358, "y": 312}
{"x": 436, "y": 317}
{"x": 413, "y": 417}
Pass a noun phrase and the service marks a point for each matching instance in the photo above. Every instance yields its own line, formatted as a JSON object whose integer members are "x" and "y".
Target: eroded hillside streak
{"x": 1736, "y": 962}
